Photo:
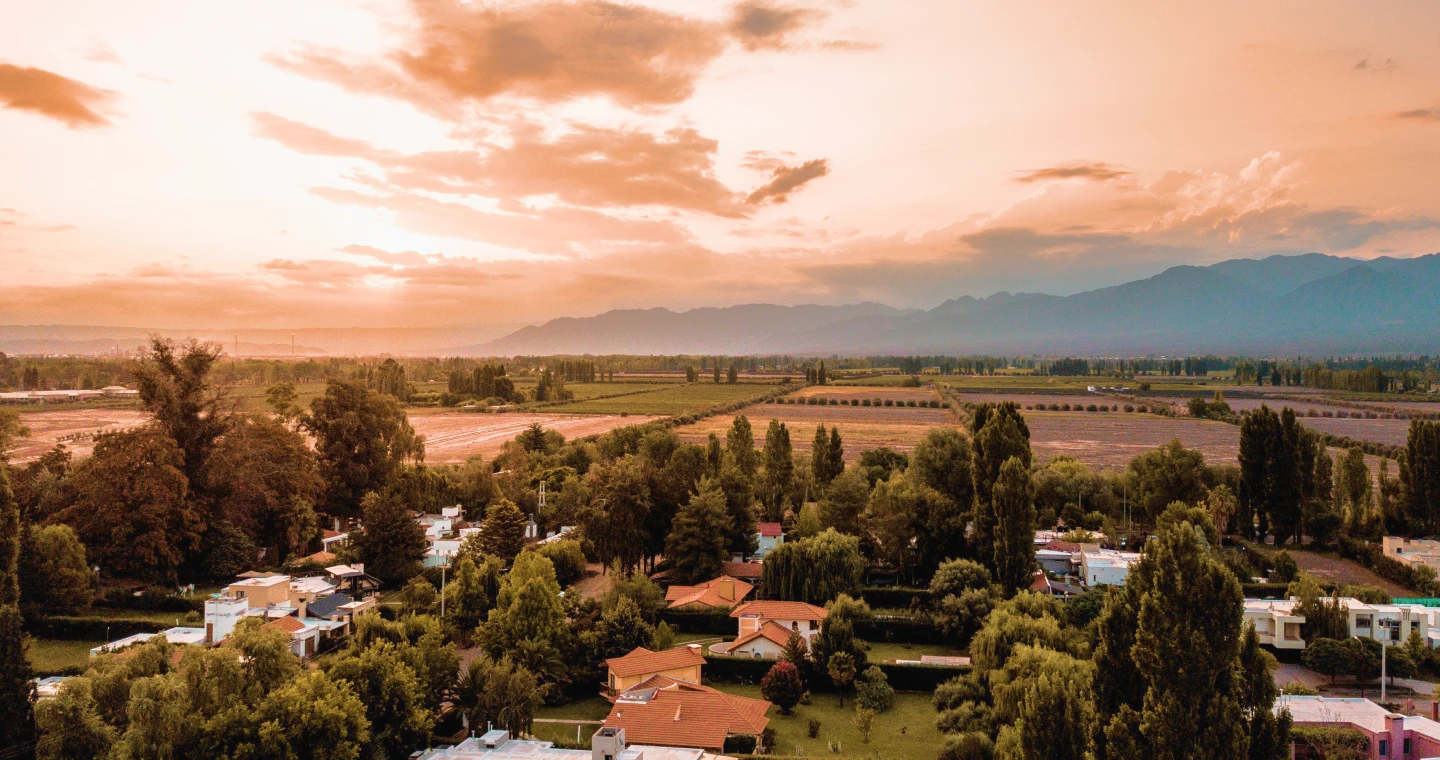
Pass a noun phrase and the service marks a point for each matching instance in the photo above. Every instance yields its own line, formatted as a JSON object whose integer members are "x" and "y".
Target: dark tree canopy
{"x": 362, "y": 439}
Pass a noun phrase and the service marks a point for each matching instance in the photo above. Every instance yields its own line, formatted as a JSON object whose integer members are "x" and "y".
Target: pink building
{"x": 1392, "y": 736}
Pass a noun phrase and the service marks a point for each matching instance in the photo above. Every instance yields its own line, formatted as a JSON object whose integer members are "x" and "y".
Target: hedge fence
{"x": 88, "y": 627}
{"x": 897, "y": 629}
{"x": 749, "y": 670}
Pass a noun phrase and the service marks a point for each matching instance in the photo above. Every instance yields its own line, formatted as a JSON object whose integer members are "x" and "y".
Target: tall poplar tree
{"x": 17, "y": 701}
{"x": 1000, "y": 433}
{"x": 1420, "y": 474}
{"x": 740, "y": 444}
{"x": 1013, "y": 515}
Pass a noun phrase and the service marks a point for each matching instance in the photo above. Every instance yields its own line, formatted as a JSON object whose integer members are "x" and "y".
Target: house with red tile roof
{"x": 750, "y": 572}
{"x": 678, "y": 664}
{"x": 304, "y": 637}
{"x": 718, "y": 594}
{"x": 683, "y": 714}
{"x": 764, "y": 626}
{"x": 768, "y": 535}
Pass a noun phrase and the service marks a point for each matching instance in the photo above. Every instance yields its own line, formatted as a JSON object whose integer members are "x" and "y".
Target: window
{"x": 1406, "y": 746}
{"x": 1384, "y": 748}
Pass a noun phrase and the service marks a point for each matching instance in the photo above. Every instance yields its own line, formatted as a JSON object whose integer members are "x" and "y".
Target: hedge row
{"x": 895, "y": 597}
{"x": 1419, "y": 578}
{"x": 151, "y": 600}
{"x": 891, "y": 628}
{"x": 1265, "y": 590}
{"x": 76, "y": 627}
{"x": 748, "y": 670}
{"x": 708, "y": 623}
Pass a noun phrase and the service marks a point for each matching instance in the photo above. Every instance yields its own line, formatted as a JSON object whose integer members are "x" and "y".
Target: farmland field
{"x": 456, "y": 436}
{"x": 1388, "y": 432}
{"x": 1030, "y": 399}
{"x": 1112, "y": 440}
{"x": 849, "y": 392}
{"x": 670, "y": 400}
{"x": 861, "y": 428}
{"x": 75, "y": 428}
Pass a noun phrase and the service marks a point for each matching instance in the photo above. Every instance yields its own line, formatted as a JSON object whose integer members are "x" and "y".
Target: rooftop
{"x": 746, "y": 570}
{"x": 778, "y": 610}
{"x": 642, "y": 660}
{"x": 718, "y": 592}
{"x": 771, "y": 630}
{"x": 769, "y": 529}
{"x": 699, "y": 718}
{"x": 1356, "y": 711}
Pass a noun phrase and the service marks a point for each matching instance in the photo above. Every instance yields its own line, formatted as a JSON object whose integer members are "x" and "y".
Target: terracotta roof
{"x": 771, "y": 610}
{"x": 287, "y": 624}
{"x": 746, "y": 570}
{"x": 658, "y": 681}
{"x": 771, "y": 630}
{"x": 711, "y": 593}
{"x": 642, "y": 660}
{"x": 699, "y": 718}
{"x": 770, "y": 529}
{"x": 1057, "y": 545}
{"x": 329, "y": 533}
{"x": 319, "y": 558}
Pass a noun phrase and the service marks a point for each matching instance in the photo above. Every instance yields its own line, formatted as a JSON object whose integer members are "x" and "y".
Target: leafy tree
{"x": 881, "y": 463}
{"x": 1284, "y": 569}
{"x": 943, "y": 462}
{"x": 16, "y": 693}
{"x": 419, "y": 595}
{"x": 1328, "y": 657}
{"x": 1269, "y": 734}
{"x": 971, "y": 745}
{"x": 498, "y": 693}
{"x": 739, "y": 493}
{"x": 808, "y": 524}
{"x": 528, "y": 607}
{"x": 1354, "y": 482}
{"x": 1163, "y": 476}
{"x": 822, "y": 466}
{"x": 1420, "y": 474}
{"x": 782, "y": 685}
{"x": 263, "y": 478}
{"x": 872, "y": 690}
{"x": 131, "y": 509}
{"x": 740, "y": 445}
{"x": 54, "y": 574}
{"x": 1055, "y": 712}
{"x": 1324, "y": 619}
{"x": 836, "y": 451}
{"x": 615, "y": 521}
{"x": 697, "y": 547}
{"x": 714, "y": 455}
{"x": 1000, "y": 433}
{"x": 568, "y": 557}
{"x": 837, "y": 633}
{"x": 174, "y": 385}
{"x": 281, "y": 398}
{"x": 843, "y": 506}
{"x": 815, "y": 570}
{"x": 468, "y": 597}
{"x": 778, "y": 457}
{"x": 621, "y": 629}
{"x": 1013, "y": 515}
{"x": 394, "y": 703}
{"x": 71, "y": 726}
{"x": 362, "y": 438}
{"x": 503, "y": 532}
{"x": 311, "y": 716}
{"x": 1221, "y": 503}
{"x": 389, "y": 541}
{"x": 841, "y": 668}
{"x": 864, "y": 721}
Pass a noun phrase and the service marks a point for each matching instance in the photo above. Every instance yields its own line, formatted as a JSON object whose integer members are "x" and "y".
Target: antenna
{"x": 541, "y": 503}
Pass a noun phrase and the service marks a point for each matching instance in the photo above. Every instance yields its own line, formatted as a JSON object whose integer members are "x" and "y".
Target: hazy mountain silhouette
{"x": 1310, "y": 304}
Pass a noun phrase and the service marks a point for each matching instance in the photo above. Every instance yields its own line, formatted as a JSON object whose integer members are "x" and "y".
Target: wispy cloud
{"x": 49, "y": 94}
{"x": 1095, "y": 171}
{"x": 788, "y": 179}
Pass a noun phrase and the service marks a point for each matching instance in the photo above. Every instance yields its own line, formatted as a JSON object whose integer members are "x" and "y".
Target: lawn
{"x": 589, "y": 708}
{"x": 112, "y": 613}
{"x": 53, "y": 655}
{"x": 671, "y": 400}
{"x": 881, "y": 651}
{"x": 906, "y": 730}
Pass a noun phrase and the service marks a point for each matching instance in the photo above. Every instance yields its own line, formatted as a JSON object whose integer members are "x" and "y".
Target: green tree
{"x": 281, "y": 398}
{"x": 779, "y": 459}
{"x": 740, "y": 445}
{"x": 841, "y": 668}
{"x": 815, "y": 570}
{"x": 418, "y": 596}
{"x": 263, "y": 478}
{"x": 843, "y": 506}
{"x": 16, "y": 693}
{"x": 1420, "y": 474}
{"x": 697, "y": 547}
{"x": 782, "y": 686}
{"x": 1269, "y": 734}
{"x": 503, "y": 532}
{"x": 1163, "y": 476}
{"x": 389, "y": 541}
{"x": 497, "y": 692}
{"x": 615, "y": 522}
{"x": 132, "y": 510}
{"x": 55, "y": 576}
{"x": 823, "y": 466}
{"x": 528, "y": 607}
{"x": 999, "y": 433}
{"x": 1055, "y": 712}
{"x": 872, "y": 690}
{"x": 943, "y": 461}
{"x": 362, "y": 439}
{"x": 174, "y": 385}
{"x": 621, "y": 629}
{"x": 1284, "y": 569}
{"x": 1013, "y": 515}
{"x": 70, "y": 727}
{"x": 467, "y": 597}
{"x": 394, "y": 704}
{"x": 311, "y": 716}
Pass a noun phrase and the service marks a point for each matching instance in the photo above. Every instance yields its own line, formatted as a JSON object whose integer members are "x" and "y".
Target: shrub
{"x": 782, "y": 686}
{"x": 812, "y": 729}
{"x": 740, "y": 744}
{"x": 1064, "y": 407}
{"x": 872, "y": 690}
{"x": 971, "y": 745}
{"x": 889, "y": 402}
{"x": 1129, "y": 407}
{"x": 865, "y": 402}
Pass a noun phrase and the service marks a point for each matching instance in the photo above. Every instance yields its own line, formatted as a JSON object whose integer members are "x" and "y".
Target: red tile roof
{"x": 746, "y": 570}
{"x": 771, "y": 630}
{"x": 770, "y": 529}
{"x": 642, "y": 660}
{"x": 287, "y": 624}
{"x": 776, "y": 610}
{"x": 711, "y": 593}
{"x": 699, "y": 718}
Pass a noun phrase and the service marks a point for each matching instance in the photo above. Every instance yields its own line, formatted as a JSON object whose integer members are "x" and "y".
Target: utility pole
{"x": 442, "y": 592}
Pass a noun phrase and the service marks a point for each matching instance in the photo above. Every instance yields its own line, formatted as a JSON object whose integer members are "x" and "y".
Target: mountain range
{"x": 1284, "y": 305}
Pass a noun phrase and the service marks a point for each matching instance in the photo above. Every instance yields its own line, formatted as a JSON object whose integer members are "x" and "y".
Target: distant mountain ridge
{"x": 1286, "y": 305}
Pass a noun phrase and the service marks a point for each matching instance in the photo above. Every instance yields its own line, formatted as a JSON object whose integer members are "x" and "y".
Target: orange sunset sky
{"x": 434, "y": 162}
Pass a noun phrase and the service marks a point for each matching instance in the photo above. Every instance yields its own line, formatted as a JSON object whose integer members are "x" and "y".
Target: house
{"x": 1392, "y": 736}
{"x": 1106, "y": 567}
{"x": 605, "y": 744}
{"x": 768, "y": 535}
{"x": 221, "y": 614}
{"x": 686, "y": 714}
{"x": 179, "y": 635}
{"x": 304, "y": 637}
{"x": 441, "y": 551}
{"x": 718, "y": 594}
{"x": 750, "y": 572}
{"x": 352, "y": 580}
{"x": 46, "y": 688}
{"x": 1055, "y": 561}
{"x": 767, "y": 642}
{"x": 1276, "y": 623}
{"x": 763, "y": 618}
{"x": 1045, "y": 585}
{"x": 1413, "y": 552}
{"x": 681, "y": 664}
{"x": 261, "y": 591}
{"x": 330, "y": 540}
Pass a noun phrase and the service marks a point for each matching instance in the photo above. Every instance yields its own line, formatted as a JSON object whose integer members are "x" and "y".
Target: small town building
{"x": 720, "y": 593}
{"x": 768, "y": 535}
{"x": 1106, "y": 567}
{"x": 1413, "y": 551}
{"x": 680, "y": 664}
{"x": 750, "y": 572}
{"x": 759, "y": 624}
{"x": 1275, "y": 621}
{"x": 1392, "y": 736}
{"x": 605, "y": 744}
{"x": 686, "y": 714}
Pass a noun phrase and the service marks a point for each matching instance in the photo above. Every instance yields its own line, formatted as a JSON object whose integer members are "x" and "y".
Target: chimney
{"x": 1435, "y": 711}
{"x": 727, "y": 589}
{"x": 607, "y": 743}
{"x": 1395, "y": 728}
{"x": 694, "y": 648}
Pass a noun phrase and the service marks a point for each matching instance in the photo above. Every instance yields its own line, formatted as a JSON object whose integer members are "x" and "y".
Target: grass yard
{"x": 53, "y": 655}
{"x": 163, "y": 618}
{"x": 589, "y": 708}
{"x": 672, "y": 400}
{"x": 882, "y": 651}
{"x": 906, "y": 730}
{"x": 1330, "y": 567}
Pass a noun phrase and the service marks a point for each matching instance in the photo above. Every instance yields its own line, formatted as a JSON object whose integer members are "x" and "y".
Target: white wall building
{"x": 1106, "y": 567}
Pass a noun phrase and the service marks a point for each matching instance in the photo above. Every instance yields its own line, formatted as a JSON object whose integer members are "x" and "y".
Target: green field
{"x": 589, "y": 708}
{"x": 880, "y": 651}
{"x": 53, "y": 656}
{"x": 672, "y": 400}
{"x": 906, "y": 730}
{"x": 584, "y": 391}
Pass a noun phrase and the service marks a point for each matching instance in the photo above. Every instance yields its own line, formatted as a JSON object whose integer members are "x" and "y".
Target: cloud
{"x": 403, "y": 258}
{"x": 760, "y": 25}
{"x": 1420, "y": 114}
{"x": 49, "y": 94}
{"x": 304, "y": 138}
{"x": 1364, "y": 64}
{"x": 1095, "y": 171}
{"x": 100, "y": 52}
{"x": 550, "y": 51}
{"x": 788, "y": 179}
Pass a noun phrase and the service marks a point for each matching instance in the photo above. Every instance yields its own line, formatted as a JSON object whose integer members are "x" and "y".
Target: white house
{"x": 1276, "y": 623}
{"x": 764, "y": 627}
{"x": 221, "y": 615}
{"x": 1391, "y": 624}
{"x": 304, "y": 635}
{"x": 1106, "y": 567}
{"x": 441, "y": 551}
{"x": 768, "y": 535}
{"x": 178, "y": 635}
{"x": 1413, "y": 552}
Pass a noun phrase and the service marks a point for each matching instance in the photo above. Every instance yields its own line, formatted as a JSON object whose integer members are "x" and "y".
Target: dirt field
{"x": 76, "y": 428}
{"x": 1332, "y": 568}
{"x": 1389, "y": 432}
{"x": 1112, "y": 440}
{"x": 457, "y": 436}
{"x": 846, "y": 393}
{"x": 861, "y": 428}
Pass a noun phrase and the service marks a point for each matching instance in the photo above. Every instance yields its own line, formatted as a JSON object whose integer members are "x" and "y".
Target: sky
{"x": 439, "y": 162}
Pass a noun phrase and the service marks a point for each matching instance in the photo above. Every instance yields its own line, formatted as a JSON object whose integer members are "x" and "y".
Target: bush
{"x": 73, "y": 627}
{"x": 568, "y": 558}
{"x": 865, "y": 402}
{"x": 971, "y": 745}
{"x": 782, "y": 686}
{"x": 740, "y": 744}
{"x": 872, "y": 690}
{"x": 895, "y": 597}
{"x": 812, "y": 729}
